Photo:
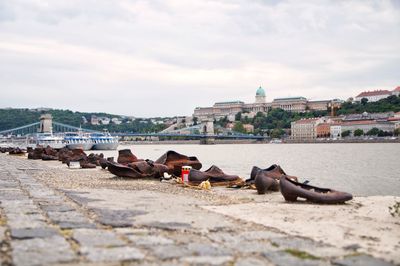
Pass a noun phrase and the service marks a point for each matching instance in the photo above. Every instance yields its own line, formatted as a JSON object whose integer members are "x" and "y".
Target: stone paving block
{"x": 170, "y": 251}
{"x": 207, "y": 260}
{"x": 252, "y": 262}
{"x": 361, "y": 260}
{"x": 73, "y": 225}
{"x": 70, "y": 216}
{"x": 16, "y": 221}
{"x": 41, "y": 251}
{"x": 78, "y": 197}
{"x": 116, "y": 218}
{"x": 132, "y": 231}
{"x": 57, "y": 208}
{"x": 33, "y": 233}
{"x": 211, "y": 249}
{"x": 2, "y": 233}
{"x": 250, "y": 246}
{"x": 12, "y": 195}
{"x": 223, "y": 237}
{"x": 20, "y": 207}
{"x": 149, "y": 240}
{"x": 112, "y": 254}
{"x": 70, "y": 220}
{"x": 315, "y": 248}
{"x": 281, "y": 258}
{"x": 259, "y": 235}
{"x": 170, "y": 225}
{"x": 96, "y": 238}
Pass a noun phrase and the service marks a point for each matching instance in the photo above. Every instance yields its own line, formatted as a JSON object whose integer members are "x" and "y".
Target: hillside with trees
{"x": 277, "y": 120}
{"x": 12, "y": 118}
{"x": 390, "y": 104}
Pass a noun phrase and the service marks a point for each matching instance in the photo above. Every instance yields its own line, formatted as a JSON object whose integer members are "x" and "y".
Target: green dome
{"x": 260, "y": 92}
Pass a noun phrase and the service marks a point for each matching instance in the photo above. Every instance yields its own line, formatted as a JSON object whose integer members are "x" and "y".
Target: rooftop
{"x": 290, "y": 99}
{"x": 260, "y": 92}
{"x": 307, "y": 121}
{"x": 373, "y": 93}
{"x": 229, "y": 102}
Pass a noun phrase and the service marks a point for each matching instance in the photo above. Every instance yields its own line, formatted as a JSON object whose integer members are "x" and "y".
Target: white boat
{"x": 104, "y": 141}
{"x": 46, "y": 139}
{"x": 275, "y": 141}
{"x": 78, "y": 140}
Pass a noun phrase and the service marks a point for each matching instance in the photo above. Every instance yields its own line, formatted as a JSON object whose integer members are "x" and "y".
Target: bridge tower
{"x": 207, "y": 129}
{"x": 46, "y": 123}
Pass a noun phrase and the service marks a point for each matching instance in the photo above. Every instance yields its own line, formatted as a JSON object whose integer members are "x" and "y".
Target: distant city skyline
{"x": 164, "y": 58}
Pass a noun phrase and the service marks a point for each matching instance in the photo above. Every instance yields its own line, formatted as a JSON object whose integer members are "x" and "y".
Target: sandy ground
{"x": 364, "y": 224}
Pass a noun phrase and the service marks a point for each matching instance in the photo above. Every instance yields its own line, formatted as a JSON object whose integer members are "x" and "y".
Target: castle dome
{"x": 260, "y": 92}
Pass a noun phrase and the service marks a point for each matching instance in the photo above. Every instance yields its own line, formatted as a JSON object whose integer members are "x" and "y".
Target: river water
{"x": 361, "y": 169}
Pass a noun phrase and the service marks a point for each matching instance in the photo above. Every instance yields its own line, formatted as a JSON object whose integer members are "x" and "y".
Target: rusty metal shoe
{"x": 274, "y": 171}
{"x": 104, "y": 162}
{"x": 174, "y": 161}
{"x": 126, "y": 156}
{"x": 87, "y": 165}
{"x": 121, "y": 170}
{"x": 291, "y": 190}
{"x": 140, "y": 169}
{"x": 265, "y": 183}
{"x": 215, "y": 176}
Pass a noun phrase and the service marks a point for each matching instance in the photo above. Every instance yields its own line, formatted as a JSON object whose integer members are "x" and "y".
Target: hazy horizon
{"x": 164, "y": 58}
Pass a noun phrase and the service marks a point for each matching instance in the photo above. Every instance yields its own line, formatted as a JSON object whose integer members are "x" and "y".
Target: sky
{"x": 166, "y": 57}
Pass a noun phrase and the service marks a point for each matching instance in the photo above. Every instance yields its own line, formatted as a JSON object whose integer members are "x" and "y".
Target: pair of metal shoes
{"x": 215, "y": 176}
{"x": 291, "y": 190}
{"x": 275, "y": 179}
{"x": 266, "y": 179}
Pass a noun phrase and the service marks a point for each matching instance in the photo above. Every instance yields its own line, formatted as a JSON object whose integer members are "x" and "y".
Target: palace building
{"x": 291, "y": 104}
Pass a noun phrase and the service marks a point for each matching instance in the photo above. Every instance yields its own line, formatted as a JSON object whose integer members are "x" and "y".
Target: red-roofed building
{"x": 396, "y": 91}
{"x": 373, "y": 96}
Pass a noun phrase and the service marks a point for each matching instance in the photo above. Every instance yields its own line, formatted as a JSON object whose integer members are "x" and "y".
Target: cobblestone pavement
{"x": 40, "y": 225}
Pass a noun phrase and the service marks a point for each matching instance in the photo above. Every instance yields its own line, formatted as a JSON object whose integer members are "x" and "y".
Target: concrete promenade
{"x": 51, "y": 215}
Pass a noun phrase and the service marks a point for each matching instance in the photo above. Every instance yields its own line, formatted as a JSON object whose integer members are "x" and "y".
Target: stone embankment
{"x": 50, "y": 214}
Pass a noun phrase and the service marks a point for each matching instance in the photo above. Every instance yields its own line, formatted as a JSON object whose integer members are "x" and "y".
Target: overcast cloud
{"x": 163, "y": 58}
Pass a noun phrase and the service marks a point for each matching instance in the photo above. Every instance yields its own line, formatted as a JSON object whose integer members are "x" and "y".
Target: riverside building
{"x": 376, "y": 95}
{"x": 313, "y": 128}
{"x": 291, "y": 104}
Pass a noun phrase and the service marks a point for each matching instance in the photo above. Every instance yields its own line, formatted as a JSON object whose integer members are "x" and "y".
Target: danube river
{"x": 361, "y": 169}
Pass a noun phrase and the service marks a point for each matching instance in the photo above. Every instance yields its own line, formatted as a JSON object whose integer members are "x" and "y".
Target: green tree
{"x": 238, "y": 116}
{"x": 195, "y": 120}
{"x": 358, "y": 132}
{"x": 364, "y": 101}
{"x": 397, "y": 131}
{"x": 238, "y": 127}
{"x": 277, "y": 133}
{"x": 346, "y": 133}
{"x": 391, "y": 103}
{"x": 373, "y": 132}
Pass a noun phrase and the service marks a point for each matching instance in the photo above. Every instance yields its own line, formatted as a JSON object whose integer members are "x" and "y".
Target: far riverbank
{"x": 233, "y": 141}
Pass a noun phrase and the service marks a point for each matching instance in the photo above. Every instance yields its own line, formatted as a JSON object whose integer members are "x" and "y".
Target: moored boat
{"x": 78, "y": 140}
{"x": 47, "y": 139}
{"x": 104, "y": 141}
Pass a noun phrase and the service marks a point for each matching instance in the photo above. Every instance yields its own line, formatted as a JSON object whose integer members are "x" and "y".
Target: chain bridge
{"x": 188, "y": 132}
